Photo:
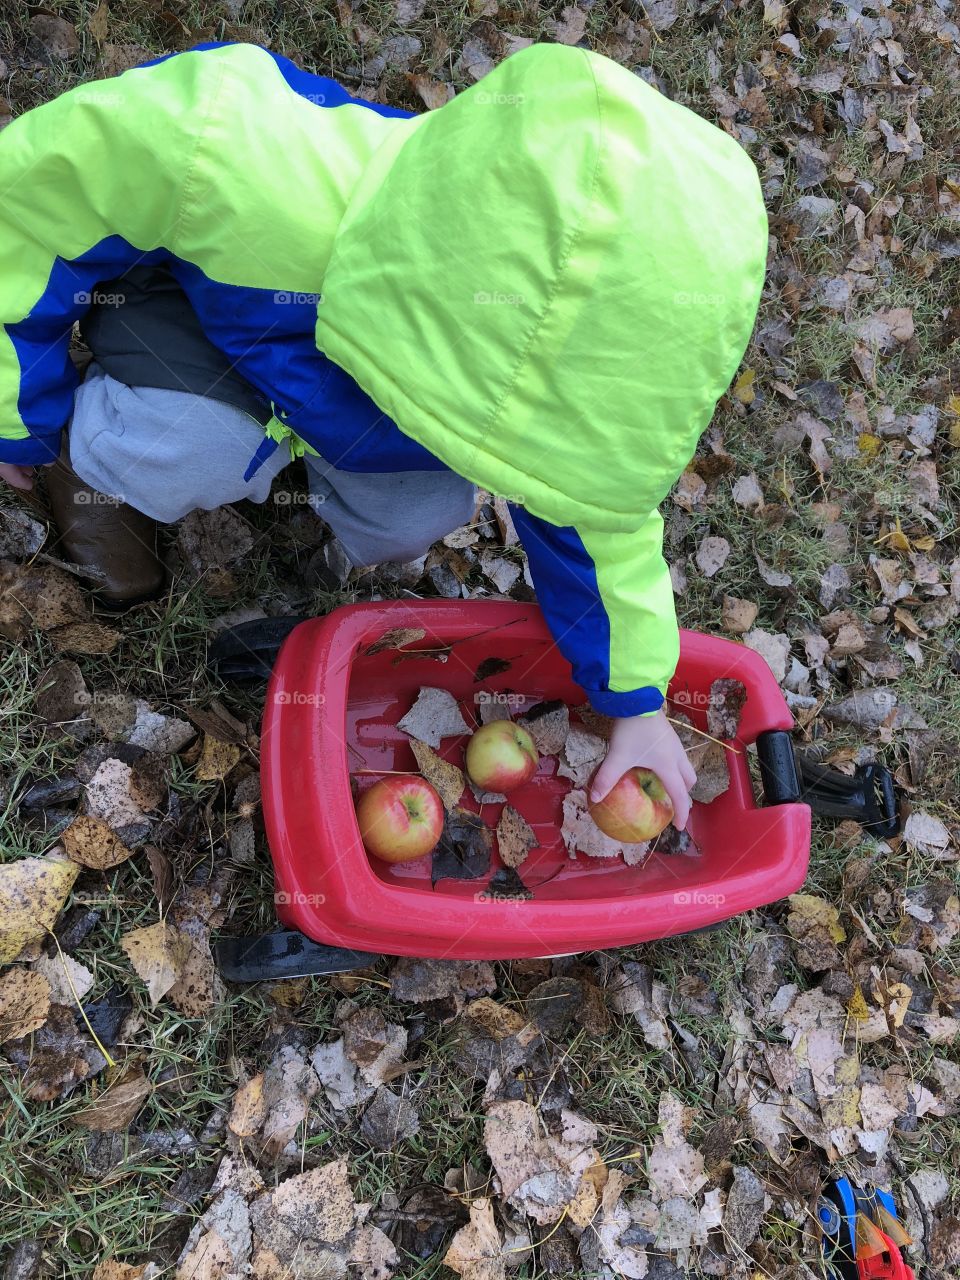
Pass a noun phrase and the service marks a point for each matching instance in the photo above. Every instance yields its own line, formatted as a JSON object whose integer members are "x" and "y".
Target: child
{"x": 541, "y": 288}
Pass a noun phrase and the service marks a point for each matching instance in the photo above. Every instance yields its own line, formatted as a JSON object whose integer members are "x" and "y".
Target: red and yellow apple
{"x": 400, "y": 818}
{"x": 501, "y": 756}
{"x": 637, "y": 808}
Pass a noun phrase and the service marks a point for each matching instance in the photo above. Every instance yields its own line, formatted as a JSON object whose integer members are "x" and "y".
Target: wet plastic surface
{"x": 332, "y": 709}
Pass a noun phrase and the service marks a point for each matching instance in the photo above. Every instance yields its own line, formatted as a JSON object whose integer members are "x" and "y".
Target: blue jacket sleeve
{"x": 608, "y": 601}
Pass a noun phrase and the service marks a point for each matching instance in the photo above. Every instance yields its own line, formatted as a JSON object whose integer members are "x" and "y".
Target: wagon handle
{"x": 779, "y": 775}
{"x": 248, "y": 651}
{"x": 868, "y": 796}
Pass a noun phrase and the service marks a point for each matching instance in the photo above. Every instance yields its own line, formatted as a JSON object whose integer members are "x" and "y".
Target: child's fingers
{"x": 687, "y": 771}
{"x": 676, "y": 789}
{"x": 607, "y": 776}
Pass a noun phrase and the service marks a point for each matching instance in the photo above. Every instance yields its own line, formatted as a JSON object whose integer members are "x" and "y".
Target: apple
{"x": 400, "y": 818}
{"x": 501, "y": 756}
{"x": 637, "y": 808}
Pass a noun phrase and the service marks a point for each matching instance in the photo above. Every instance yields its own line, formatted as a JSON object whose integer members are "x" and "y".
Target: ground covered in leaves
{"x": 670, "y": 1110}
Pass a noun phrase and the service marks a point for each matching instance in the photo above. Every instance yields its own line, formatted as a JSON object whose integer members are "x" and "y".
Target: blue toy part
{"x": 837, "y": 1212}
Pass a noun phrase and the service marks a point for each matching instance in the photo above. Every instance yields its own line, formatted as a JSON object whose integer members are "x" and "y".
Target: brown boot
{"x": 115, "y": 542}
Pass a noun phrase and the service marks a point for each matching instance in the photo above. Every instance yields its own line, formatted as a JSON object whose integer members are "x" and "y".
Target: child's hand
{"x": 649, "y": 742}
{"x": 16, "y": 476}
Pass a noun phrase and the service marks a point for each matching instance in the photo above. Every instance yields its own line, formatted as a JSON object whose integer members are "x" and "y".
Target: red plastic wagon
{"x": 332, "y": 709}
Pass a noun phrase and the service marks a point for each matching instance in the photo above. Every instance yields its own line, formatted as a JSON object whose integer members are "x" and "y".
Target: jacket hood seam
{"x": 573, "y": 238}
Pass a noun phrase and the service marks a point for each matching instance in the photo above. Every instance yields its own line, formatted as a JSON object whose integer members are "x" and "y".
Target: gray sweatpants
{"x": 169, "y": 452}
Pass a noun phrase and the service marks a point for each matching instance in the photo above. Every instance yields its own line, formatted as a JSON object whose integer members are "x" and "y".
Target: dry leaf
{"x": 37, "y": 595}
{"x": 84, "y": 637}
{"x": 111, "y": 1269}
{"x": 814, "y": 924}
{"x": 540, "y": 1174}
{"x": 399, "y": 636}
{"x": 116, "y": 1107}
{"x": 772, "y": 577}
{"x": 738, "y": 615}
{"x": 583, "y": 752}
{"x": 435, "y": 715}
{"x": 374, "y": 1045}
{"x": 109, "y": 797}
{"x": 249, "y": 1109}
{"x": 709, "y": 760}
{"x": 445, "y": 777}
{"x": 515, "y": 837}
{"x": 581, "y": 834}
{"x": 305, "y": 1217}
{"x": 98, "y": 24}
{"x": 571, "y": 25}
{"x": 289, "y": 1085}
{"x": 743, "y": 388}
{"x": 58, "y": 37}
{"x": 690, "y": 491}
{"x": 925, "y": 832}
{"x": 32, "y": 893}
{"x": 69, "y": 981}
{"x": 633, "y": 991}
{"x": 157, "y": 953}
{"x": 674, "y": 1167}
{"x": 476, "y": 1251}
{"x": 339, "y": 1076}
{"x": 774, "y": 649}
{"x": 91, "y": 843}
{"x": 56, "y": 1058}
{"x": 216, "y": 759}
{"x": 198, "y": 986}
{"x": 747, "y": 492}
{"x": 548, "y": 723}
{"x": 727, "y": 699}
{"x": 24, "y": 1002}
{"x": 220, "y": 723}
{"x": 712, "y": 555}
{"x": 496, "y": 1020}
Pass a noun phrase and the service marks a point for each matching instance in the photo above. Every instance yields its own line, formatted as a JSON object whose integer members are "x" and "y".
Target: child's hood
{"x": 549, "y": 282}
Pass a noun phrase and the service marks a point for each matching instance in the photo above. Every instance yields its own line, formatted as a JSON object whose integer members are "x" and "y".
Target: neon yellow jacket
{"x": 545, "y": 285}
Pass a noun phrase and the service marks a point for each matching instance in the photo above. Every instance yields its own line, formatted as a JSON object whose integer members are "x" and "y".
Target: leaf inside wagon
{"x": 441, "y": 774}
{"x": 490, "y": 667}
{"x": 506, "y": 884}
{"x": 395, "y": 639}
{"x": 463, "y": 852}
{"x": 515, "y": 837}
{"x": 548, "y": 723}
{"x": 434, "y": 716}
{"x": 727, "y": 698}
